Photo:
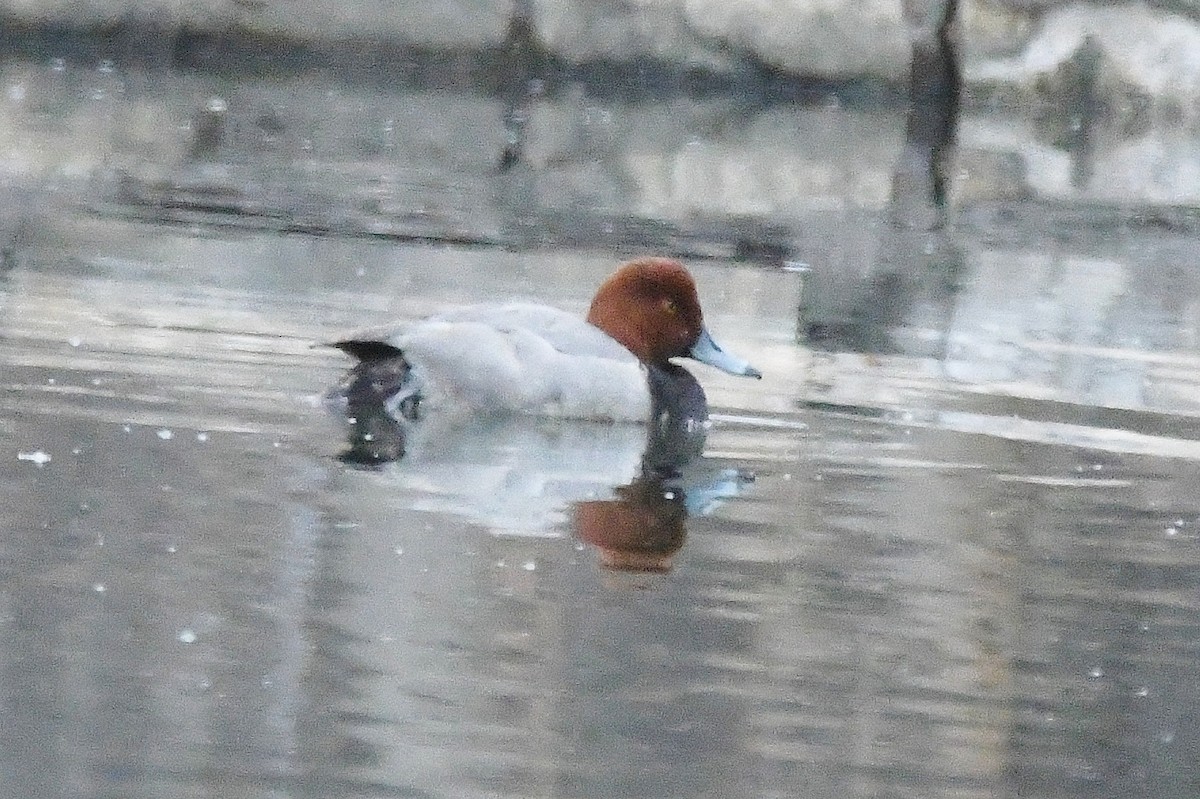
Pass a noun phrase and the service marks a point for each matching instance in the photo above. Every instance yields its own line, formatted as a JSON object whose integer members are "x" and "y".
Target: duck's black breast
{"x": 679, "y": 411}
{"x": 676, "y": 393}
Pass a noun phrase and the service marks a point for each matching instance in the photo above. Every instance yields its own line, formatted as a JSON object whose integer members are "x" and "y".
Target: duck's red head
{"x": 650, "y": 306}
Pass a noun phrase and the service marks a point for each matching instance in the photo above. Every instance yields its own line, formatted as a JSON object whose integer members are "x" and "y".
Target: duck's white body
{"x": 520, "y": 358}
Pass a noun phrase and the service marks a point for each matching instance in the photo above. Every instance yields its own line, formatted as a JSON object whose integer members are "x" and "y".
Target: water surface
{"x": 937, "y": 582}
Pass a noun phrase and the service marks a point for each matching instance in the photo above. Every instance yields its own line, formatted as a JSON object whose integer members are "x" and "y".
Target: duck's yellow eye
{"x": 671, "y": 307}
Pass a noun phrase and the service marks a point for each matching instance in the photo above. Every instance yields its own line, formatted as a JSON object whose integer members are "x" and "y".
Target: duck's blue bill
{"x": 708, "y": 351}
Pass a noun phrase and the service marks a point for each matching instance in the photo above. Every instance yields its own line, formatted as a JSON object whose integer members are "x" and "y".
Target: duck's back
{"x": 521, "y": 358}
{"x": 564, "y": 331}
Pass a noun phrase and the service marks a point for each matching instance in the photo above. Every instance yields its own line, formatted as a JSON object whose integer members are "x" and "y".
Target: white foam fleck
{"x": 40, "y": 457}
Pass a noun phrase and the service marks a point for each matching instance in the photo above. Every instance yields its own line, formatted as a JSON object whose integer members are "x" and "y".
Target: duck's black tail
{"x": 368, "y": 349}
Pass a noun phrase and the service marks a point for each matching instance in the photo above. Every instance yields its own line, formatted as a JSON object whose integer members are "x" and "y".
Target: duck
{"x": 617, "y": 364}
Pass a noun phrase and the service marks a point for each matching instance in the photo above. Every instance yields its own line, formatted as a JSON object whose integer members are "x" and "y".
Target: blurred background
{"x": 946, "y": 547}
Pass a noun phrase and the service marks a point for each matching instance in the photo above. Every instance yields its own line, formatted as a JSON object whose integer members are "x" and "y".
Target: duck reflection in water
{"x": 638, "y": 527}
{"x": 644, "y": 525}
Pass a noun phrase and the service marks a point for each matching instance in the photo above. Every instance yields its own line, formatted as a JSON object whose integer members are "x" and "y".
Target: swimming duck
{"x": 524, "y": 358}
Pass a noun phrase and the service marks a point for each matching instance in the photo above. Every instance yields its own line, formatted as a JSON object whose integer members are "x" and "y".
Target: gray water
{"x": 946, "y": 547}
